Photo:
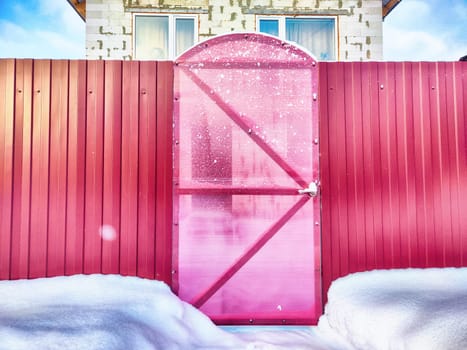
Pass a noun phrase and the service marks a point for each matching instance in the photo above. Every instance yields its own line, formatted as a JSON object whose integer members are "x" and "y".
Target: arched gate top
{"x": 245, "y": 49}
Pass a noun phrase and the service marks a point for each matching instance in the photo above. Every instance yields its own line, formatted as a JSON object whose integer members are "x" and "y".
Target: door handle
{"x": 311, "y": 190}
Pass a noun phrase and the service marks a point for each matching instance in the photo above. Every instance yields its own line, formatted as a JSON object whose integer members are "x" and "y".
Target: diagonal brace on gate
{"x": 202, "y": 298}
{"x": 246, "y": 127}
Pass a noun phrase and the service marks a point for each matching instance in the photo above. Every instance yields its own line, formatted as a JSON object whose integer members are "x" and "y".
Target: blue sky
{"x": 40, "y": 29}
{"x": 429, "y": 30}
{"x": 426, "y": 30}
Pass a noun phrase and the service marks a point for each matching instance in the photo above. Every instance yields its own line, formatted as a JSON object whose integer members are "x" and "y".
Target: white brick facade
{"x": 108, "y": 30}
{"x": 109, "y": 23}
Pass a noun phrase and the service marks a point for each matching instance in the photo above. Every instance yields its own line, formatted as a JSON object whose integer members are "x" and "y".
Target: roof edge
{"x": 80, "y": 7}
{"x": 390, "y": 5}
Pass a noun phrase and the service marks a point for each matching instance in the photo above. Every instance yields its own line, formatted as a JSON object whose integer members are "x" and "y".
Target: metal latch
{"x": 311, "y": 190}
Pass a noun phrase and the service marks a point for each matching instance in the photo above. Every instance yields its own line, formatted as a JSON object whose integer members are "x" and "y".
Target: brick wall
{"x": 109, "y": 22}
{"x": 108, "y": 30}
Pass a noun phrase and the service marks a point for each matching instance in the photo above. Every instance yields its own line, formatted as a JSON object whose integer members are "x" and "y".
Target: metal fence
{"x": 86, "y": 169}
{"x": 393, "y": 166}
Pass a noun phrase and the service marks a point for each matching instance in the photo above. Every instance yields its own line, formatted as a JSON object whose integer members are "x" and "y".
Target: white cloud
{"x": 65, "y": 17}
{"x": 59, "y": 34}
{"x": 432, "y": 30}
{"x": 17, "y": 42}
{"x": 402, "y": 45}
{"x": 410, "y": 13}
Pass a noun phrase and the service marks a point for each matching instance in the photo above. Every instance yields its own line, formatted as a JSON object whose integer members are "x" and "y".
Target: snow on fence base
{"x": 380, "y": 310}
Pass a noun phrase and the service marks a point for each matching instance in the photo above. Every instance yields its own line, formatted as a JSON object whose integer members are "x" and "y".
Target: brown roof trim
{"x": 80, "y": 7}
{"x": 389, "y": 7}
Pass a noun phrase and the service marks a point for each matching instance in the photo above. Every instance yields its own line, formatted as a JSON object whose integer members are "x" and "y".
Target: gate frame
{"x": 202, "y": 297}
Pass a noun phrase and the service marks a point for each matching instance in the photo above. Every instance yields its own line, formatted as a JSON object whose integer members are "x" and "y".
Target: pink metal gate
{"x": 246, "y": 215}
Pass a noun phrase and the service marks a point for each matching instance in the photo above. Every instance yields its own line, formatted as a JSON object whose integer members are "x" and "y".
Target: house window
{"x": 316, "y": 34}
{"x": 162, "y": 36}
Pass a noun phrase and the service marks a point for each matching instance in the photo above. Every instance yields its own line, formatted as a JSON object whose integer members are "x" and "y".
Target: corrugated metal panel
{"x": 7, "y": 106}
{"x": 393, "y": 166}
{"x": 80, "y": 189}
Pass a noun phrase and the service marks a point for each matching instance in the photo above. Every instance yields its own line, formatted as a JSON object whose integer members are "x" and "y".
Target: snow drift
{"x": 379, "y": 310}
{"x": 102, "y": 312}
{"x": 400, "y": 309}
{"x": 97, "y": 312}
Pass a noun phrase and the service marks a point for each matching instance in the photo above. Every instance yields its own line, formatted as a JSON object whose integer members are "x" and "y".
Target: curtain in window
{"x": 184, "y": 35}
{"x": 315, "y": 34}
{"x": 151, "y": 37}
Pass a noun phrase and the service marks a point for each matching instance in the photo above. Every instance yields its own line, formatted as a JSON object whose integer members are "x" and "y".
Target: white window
{"x": 163, "y": 36}
{"x": 317, "y": 34}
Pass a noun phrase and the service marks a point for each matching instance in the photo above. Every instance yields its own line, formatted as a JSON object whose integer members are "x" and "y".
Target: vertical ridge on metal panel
{"x": 110, "y": 229}
{"x": 94, "y": 173}
{"x": 336, "y": 115}
{"x": 423, "y": 154}
{"x": 461, "y": 109}
{"x": 57, "y": 168}
{"x": 441, "y": 162}
{"x": 438, "y": 200}
{"x": 147, "y": 169}
{"x": 410, "y": 155}
{"x": 452, "y": 137}
{"x": 349, "y": 115}
{"x": 77, "y": 95}
{"x": 376, "y": 247}
{"x": 40, "y": 168}
{"x": 20, "y": 231}
{"x": 129, "y": 169}
{"x": 7, "y": 121}
{"x": 325, "y": 178}
{"x": 402, "y": 149}
{"x": 388, "y": 164}
{"x": 353, "y": 140}
{"x": 366, "y": 164}
{"x": 164, "y": 161}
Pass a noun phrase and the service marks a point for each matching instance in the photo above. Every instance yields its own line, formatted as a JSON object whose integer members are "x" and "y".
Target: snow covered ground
{"x": 400, "y": 309}
{"x": 393, "y": 309}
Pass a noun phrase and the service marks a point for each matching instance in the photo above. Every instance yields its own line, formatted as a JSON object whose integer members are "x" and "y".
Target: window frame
{"x": 282, "y": 28}
{"x": 172, "y": 18}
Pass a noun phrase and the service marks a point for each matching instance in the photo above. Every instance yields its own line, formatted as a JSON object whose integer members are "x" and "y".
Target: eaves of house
{"x": 80, "y": 7}
{"x": 388, "y": 6}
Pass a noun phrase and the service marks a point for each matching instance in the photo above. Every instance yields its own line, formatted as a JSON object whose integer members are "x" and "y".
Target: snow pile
{"x": 400, "y": 309}
{"x": 102, "y": 312}
{"x": 378, "y": 310}
{"x": 97, "y": 312}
